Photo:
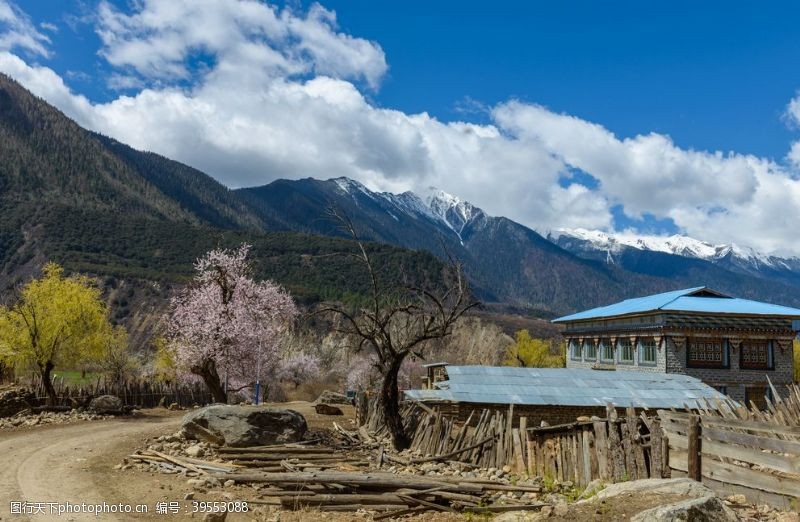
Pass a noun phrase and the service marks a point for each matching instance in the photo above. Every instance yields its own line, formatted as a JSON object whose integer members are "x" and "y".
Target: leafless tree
{"x": 400, "y": 319}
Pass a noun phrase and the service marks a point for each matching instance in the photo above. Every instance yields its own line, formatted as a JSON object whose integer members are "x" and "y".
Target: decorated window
{"x": 589, "y": 350}
{"x": 647, "y": 350}
{"x": 708, "y": 353}
{"x": 606, "y": 350}
{"x": 756, "y": 354}
{"x": 625, "y": 349}
{"x": 575, "y": 349}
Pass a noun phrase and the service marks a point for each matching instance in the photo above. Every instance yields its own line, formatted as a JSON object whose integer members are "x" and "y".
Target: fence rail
{"x": 611, "y": 449}
{"x": 735, "y": 449}
{"x": 141, "y": 393}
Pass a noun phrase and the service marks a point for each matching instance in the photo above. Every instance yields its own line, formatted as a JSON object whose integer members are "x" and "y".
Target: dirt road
{"x": 75, "y": 463}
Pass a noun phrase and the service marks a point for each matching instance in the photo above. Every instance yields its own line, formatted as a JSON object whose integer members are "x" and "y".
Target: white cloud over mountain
{"x": 250, "y": 93}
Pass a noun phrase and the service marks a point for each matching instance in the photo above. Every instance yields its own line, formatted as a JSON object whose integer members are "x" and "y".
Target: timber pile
{"x": 188, "y": 466}
{"x": 381, "y": 491}
{"x": 295, "y": 457}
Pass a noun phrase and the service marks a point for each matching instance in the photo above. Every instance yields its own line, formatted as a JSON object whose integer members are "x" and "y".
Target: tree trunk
{"x": 207, "y": 370}
{"x": 47, "y": 382}
{"x": 390, "y": 400}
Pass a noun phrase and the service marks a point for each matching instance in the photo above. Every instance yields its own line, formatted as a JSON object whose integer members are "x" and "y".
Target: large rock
{"x": 244, "y": 425}
{"x": 327, "y": 409}
{"x": 702, "y": 509}
{"x": 106, "y": 404}
{"x": 14, "y": 400}
{"x": 329, "y": 397}
{"x": 677, "y": 486}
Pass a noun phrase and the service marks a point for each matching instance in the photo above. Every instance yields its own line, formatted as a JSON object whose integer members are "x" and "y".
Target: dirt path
{"x": 75, "y": 463}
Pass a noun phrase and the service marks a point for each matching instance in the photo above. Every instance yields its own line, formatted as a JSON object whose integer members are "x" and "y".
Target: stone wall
{"x": 734, "y": 379}
{"x": 552, "y": 415}
{"x": 671, "y": 358}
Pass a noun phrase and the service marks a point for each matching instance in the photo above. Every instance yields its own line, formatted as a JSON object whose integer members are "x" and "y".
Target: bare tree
{"x": 400, "y": 319}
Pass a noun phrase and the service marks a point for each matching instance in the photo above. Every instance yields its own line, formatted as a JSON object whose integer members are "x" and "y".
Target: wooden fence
{"x": 610, "y": 449}
{"x": 141, "y": 393}
{"x": 735, "y": 449}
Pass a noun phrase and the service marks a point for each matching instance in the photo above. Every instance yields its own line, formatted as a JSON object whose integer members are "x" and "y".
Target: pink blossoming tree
{"x": 226, "y": 326}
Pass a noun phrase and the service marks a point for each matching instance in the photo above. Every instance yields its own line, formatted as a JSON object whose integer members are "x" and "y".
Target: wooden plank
{"x": 753, "y": 441}
{"x": 754, "y": 496}
{"x": 595, "y": 470}
{"x": 587, "y": 462}
{"x": 617, "y": 454}
{"x": 601, "y": 446}
{"x": 630, "y": 463}
{"x": 751, "y": 456}
{"x": 531, "y": 463}
{"x": 656, "y": 458}
{"x": 519, "y": 462}
{"x": 523, "y": 431}
{"x": 750, "y": 478}
{"x": 748, "y": 425}
{"x": 694, "y": 448}
{"x": 573, "y": 458}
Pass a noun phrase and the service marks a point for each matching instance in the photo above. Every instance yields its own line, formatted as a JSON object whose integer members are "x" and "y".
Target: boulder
{"x": 14, "y": 400}
{"x": 677, "y": 486}
{"x": 707, "y": 509}
{"x": 242, "y": 426}
{"x": 329, "y": 397}
{"x": 106, "y": 404}
{"x": 327, "y": 409}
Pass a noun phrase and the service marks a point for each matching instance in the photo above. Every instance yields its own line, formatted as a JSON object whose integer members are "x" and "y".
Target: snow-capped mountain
{"x": 609, "y": 246}
{"x": 509, "y": 263}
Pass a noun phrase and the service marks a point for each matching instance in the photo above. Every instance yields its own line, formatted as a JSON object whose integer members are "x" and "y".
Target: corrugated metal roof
{"x": 567, "y": 387}
{"x": 684, "y": 301}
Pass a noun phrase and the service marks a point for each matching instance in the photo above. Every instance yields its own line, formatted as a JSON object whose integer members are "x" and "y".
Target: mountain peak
{"x": 614, "y": 242}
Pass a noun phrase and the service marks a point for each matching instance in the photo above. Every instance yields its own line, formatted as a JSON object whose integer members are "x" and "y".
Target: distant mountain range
{"x": 512, "y": 264}
{"x": 138, "y": 220}
{"x": 618, "y": 248}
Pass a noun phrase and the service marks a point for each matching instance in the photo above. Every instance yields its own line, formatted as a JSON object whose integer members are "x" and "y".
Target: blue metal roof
{"x": 684, "y": 301}
{"x": 567, "y": 387}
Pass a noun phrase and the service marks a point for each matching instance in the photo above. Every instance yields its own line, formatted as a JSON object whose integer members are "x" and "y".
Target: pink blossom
{"x": 227, "y": 317}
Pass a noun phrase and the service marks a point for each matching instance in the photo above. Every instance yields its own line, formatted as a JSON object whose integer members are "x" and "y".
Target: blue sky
{"x": 715, "y": 76}
{"x": 668, "y": 117}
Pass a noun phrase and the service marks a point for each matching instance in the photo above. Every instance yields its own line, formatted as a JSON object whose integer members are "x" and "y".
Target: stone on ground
{"x": 705, "y": 509}
{"x": 195, "y": 450}
{"x": 14, "y": 400}
{"x": 327, "y": 409}
{"x": 677, "y": 486}
{"x": 106, "y": 404}
{"x": 242, "y": 426}
{"x": 330, "y": 397}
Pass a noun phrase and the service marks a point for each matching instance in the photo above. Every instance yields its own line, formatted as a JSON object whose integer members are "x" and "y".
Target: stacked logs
{"x": 293, "y": 457}
{"x": 381, "y": 491}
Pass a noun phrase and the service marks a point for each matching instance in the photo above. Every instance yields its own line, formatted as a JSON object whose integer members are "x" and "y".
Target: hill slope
{"x": 138, "y": 221}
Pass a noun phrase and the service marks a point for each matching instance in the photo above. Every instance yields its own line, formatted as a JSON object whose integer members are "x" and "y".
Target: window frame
{"x": 726, "y": 354}
{"x": 586, "y": 344}
{"x": 575, "y": 346}
{"x": 603, "y": 345}
{"x": 641, "y": 348}
{"x": 621, "y": 350}
{"x": 770, "y": 365}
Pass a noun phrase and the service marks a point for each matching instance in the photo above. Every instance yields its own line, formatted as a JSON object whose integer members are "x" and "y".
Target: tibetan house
{"x": 735, "y": 345}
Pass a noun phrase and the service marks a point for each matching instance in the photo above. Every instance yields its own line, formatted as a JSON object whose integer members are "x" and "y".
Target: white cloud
{"x": 276, "y": 95}
{"x": 17, "y": 31}
{"x": 160, "y": 39}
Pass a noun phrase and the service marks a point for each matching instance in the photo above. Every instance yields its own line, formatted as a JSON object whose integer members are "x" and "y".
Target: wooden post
{"x": 694, "y": 448}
